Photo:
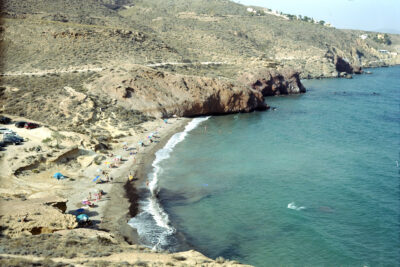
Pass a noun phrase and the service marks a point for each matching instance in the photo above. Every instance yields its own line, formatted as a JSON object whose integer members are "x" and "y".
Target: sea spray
{"x": 152, "y": 223}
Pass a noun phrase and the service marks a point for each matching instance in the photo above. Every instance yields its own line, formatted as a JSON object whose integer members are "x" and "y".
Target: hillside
{"x": 145, "y": 32}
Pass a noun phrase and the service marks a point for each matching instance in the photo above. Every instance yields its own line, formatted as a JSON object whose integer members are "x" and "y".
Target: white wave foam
{"x": 151, "y": 206}
{"x": 293, "y": 206}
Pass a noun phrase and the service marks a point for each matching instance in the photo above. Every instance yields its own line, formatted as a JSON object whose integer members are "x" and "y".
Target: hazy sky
{"x": 349, "y": 14}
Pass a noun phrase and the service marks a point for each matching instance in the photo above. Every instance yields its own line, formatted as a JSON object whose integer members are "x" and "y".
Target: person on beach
{"x": 147, "y": 183}
{"x": 100, "y": 194}
{"x": 90, "y": 196}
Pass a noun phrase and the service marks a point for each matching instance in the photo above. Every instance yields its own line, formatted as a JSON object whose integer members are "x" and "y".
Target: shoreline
{"x": 124, "y": 195}
{"x": 110, "y": 240}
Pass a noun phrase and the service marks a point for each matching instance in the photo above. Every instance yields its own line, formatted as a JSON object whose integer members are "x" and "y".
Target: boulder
{"x": 357, "y": 70}
{"x": 101, "y": 147}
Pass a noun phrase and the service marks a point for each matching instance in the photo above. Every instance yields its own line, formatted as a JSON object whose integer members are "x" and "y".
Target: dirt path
{"x": 81, "y": 69}
{"x": 45, "y": 72}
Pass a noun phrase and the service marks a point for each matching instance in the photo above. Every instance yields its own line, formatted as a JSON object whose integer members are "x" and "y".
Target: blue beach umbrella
{"x": 82, "y": 218}
{"x": 97, "y": 177}
{"x": 58, "y": 175}
{"x": 80, "y": 210}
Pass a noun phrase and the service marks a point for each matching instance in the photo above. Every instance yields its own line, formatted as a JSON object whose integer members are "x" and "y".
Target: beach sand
{"x": 124, "y": 195}
{"x": 27, "y": 170}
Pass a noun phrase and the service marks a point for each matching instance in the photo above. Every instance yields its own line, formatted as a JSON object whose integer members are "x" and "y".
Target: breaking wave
{"x": 293, "y": 206}
{"x": 152, "y": 223}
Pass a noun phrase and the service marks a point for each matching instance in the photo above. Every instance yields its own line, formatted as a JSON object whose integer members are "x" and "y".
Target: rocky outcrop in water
{"x": 272, "y": 82}
{"x": 344, "y": 66}
{"x": 163, "y": 94}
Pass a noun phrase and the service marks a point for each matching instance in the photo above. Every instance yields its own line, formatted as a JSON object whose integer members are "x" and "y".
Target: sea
{"x": 314, "y": 181}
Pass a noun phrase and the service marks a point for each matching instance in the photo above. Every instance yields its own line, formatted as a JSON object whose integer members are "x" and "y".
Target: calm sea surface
{"x": 313, "y": 183}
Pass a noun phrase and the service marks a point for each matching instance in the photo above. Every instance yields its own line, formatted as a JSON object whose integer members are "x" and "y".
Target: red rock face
{"x": 225, "y": 102}
{"x": 162, "y": 94}
{"x": 271, "y": 82}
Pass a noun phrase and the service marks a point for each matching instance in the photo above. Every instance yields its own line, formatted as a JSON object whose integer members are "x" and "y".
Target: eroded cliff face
{"x": 22, "y": 217}
{"x": 163, "y": 94}
{"x": 271, "y": 82}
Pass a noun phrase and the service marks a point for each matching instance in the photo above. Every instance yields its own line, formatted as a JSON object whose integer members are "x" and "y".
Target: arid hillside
{"x": 107, "y": 33}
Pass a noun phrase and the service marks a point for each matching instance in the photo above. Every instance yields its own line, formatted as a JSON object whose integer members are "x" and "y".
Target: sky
{"x": 370, "y": 15}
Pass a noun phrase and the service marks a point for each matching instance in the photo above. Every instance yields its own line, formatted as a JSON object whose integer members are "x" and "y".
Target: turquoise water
{"x": 313, "y": 183}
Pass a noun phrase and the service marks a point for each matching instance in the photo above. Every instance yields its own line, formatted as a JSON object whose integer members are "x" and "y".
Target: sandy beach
{"x": 81, "y": 165}
{"x": 123, "y": 195}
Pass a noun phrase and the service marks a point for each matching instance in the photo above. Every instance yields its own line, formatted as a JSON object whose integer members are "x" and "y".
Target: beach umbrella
{"x": 97, "y": 177}
{"x": 98, "y": 170}
{"x": 58, "y": 175}
{"x": 80, "y": 210}
{"x": 82, "y": 218}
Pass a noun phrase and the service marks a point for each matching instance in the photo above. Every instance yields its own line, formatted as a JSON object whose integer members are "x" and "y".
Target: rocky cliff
{"x": 271, "y": 82}
{"x": 163, "y": 94}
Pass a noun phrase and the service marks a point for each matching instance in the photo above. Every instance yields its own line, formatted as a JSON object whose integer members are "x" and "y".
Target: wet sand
{"x": 124, "y": 195}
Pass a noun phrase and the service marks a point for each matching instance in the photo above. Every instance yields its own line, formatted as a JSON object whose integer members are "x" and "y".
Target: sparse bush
{"x": 178, "y": 258}
{"x": 140, "y": 263}
{"x": 46, "y": 140}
